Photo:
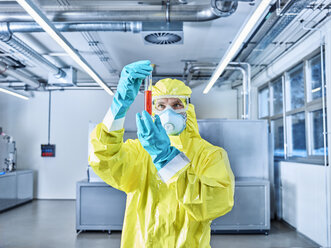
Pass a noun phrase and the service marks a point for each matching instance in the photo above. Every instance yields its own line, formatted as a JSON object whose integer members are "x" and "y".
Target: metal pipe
{"x": 52, "y": 88}
{"x": 49, "y": 115}
{"x": 7, "y": 70}
{"x": 246, "y": 74}
{"x": 192, "y": 70}
{"x": 325, "y": 137}
{"x": 224, "y": 8}
{"x": 28, "y": 27}
{"x": 248, "y": 86}
{"x": 168, "y": 11}
{"x": 284, "y": 118}
{"x": 7, "y": 37}
{"x": 184, "y": 71}
{"x": 184, "y": 13}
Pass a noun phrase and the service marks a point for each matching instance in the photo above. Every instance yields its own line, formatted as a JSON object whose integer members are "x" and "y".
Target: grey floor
{"x": 51, "y": 223}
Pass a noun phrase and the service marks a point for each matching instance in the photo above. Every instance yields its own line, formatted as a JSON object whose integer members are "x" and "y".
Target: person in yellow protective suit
{"x": 169, "y": 203}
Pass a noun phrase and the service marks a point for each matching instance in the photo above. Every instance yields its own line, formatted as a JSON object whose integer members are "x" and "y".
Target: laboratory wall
{"x": 303, "y": 193}
{"x": 305, "y": 188}
{"x": 27, "y": 122}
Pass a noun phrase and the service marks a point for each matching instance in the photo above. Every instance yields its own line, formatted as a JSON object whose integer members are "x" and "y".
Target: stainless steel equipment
{"x": 15, "y": 188}
{"x": 7, "y": 152}
{"x": 246, "y": 142}
{"x": 101, "y": 207}
{"x": 247, "y": 145}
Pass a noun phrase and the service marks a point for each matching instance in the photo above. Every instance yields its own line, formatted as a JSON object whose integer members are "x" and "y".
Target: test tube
{"x": 148, "y": 94}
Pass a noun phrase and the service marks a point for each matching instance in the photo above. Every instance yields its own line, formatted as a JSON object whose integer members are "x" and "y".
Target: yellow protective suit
{"x": 177, "y": 213}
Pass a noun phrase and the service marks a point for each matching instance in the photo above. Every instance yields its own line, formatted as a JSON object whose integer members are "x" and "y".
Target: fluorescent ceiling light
{"x": 316, "y": 89}
{"x": 13, "y": 93}
{"x": 49, "y": 28}
{"x": 235, "y": 46}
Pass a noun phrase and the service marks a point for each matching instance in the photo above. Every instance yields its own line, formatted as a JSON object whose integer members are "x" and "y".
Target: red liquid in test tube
{"x": 148, "y": 94}
{"x": 148, "y": 101}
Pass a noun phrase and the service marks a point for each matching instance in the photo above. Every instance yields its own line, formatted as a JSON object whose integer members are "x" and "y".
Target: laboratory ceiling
{"x": 107, "y": 52}
{"x": 111, "y": 34}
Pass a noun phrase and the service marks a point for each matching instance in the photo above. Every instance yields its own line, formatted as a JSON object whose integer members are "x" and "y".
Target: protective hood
{"x": 191, "y": 131}
{"x": 171, "y": 87}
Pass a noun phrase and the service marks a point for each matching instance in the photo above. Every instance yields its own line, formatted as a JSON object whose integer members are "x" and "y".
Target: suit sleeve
{"x": 205, "y": 189}
{"x": 113, "y": 161}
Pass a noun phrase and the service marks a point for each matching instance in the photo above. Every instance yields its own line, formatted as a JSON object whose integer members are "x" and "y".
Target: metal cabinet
{"x": 15, "y": 188}
{"x": 8, "y": 191}
{"x": 251, "y": 210}
{"x": 24, "y": 186}
{"x": 101, "y": 207}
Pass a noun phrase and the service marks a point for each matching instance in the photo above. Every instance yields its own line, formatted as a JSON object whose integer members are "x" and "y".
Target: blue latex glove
{"x": 131, "y": 78}
{"x": 155, "y": 140}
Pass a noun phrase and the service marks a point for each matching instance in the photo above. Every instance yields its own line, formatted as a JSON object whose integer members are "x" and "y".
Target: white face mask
{"x": 173, "y": 122}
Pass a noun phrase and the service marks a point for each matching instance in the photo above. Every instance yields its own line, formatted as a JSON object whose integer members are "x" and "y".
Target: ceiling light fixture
{"x": 238, "y": 42}
{"x": 316, "y": 90}
{"x": 13, "y": 93}
{"x": 49, "y": 28}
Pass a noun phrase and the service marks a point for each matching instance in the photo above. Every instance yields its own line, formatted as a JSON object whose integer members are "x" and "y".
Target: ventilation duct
{"x": 108, "y": 13}
{"x": 28, "y": 27}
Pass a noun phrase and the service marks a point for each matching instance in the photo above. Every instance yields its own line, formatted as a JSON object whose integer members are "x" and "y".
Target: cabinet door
{"x": 7, "y": 191}
{"x": 24, "y": 186}
{"x": 249, "y": 211}
{"x": 101, "y": 206}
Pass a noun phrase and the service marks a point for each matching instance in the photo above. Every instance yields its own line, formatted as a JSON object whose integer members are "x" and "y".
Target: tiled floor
{"x": 51, "y": 223}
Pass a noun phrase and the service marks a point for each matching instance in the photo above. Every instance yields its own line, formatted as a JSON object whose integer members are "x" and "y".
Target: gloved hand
{"x": 155, "y": 140}
{"x": 131, "y": 78}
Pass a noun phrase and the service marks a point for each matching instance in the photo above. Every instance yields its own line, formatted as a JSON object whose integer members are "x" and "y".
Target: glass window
{"x": 318, "y": 139}
{"x": 296, "y": 91}
{"x": 314, "y": 78}
{"x": 277, "y": 101}
{"x": 264, "y": 102}
{"x": 293, "y": 96}
{"x": 297, "y": 135}
{"x": 278, "y": 133}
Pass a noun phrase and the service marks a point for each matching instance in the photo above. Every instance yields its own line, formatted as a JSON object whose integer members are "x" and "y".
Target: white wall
{"x": 27, "y": 122}
{"x": 304, "y": 199}
{"x": 305, "y": 188}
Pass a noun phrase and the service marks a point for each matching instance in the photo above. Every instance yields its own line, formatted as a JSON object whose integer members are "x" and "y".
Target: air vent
{"x": 163, "y": 38}
{"x": 160, "y": 33}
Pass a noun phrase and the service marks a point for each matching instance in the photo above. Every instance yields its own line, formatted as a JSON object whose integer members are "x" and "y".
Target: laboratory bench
{"x": 16, "y": 187}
